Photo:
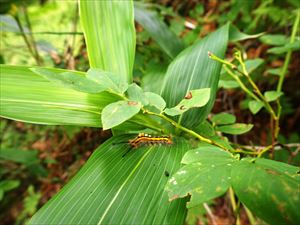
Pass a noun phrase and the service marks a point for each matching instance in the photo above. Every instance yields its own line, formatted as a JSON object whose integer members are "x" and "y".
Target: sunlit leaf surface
{"x": 111, "y": 189}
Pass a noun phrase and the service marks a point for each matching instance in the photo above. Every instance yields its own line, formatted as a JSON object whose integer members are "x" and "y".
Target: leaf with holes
{"x": 194, "y": 99}
{"x": 205, "y": 175}
{"x": 111, "y": 189}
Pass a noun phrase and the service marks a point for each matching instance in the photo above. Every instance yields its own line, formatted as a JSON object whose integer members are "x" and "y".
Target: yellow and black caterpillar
{"x": 146, "y": 139}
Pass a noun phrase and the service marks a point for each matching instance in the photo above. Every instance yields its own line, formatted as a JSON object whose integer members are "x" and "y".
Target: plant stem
{"x": 264, "y": 150}
{"x": 284, "y": 71}
{"x": 191, "y": 132}
{"x": 35, "y": 50}
{"x": 234, "y": 206}
{"x": 250, "y": 216}
{"x": 289, "y": 53}
{"x": 241, "y": 83}
{"x": 238, "y": 56}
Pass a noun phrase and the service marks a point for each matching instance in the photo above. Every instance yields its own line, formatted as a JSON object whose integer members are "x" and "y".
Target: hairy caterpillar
{"x": 146, "y": 139}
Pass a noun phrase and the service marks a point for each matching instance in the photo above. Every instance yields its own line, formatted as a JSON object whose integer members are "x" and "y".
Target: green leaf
{"x": 193, "y": 69}
{"x": 7, "y": 185}
{"x": 275, "y": 71}
{"x": 74, "y": 80}
{"x": 155, "y": 100}
{"x": 287, "y": 47}
{"x": 110, "y": 35}
{"x": 223, "y": 118}
{"x": 28, "y": 97}
{"x": 268, "y": 190}
{"x": 194, "y": 99}
{"x": 253, "y": 64}
{"x": 158, "y": 30}
{"x": 19, "y": 156}
{"x": 228, "y": 84}
{"x": 272, "y": 95}
{"x": 205, "y": 129}
{"x": 111, "y": 189}
{"x": 151, "y": 81}
{"x": 235, "y": 129}
{"x": 255, "y": 106}
{"x": 236, "y": 35}
{"x": 118, "y": 112}
{"x": 274, "y": 39}
{"x": 135, "y": 93}
{"x": 107, "y": 81}
{"x": 205, "y": 176}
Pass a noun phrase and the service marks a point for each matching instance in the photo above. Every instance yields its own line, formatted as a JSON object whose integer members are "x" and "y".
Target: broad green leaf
{"x": 287, "y": 47}
{"x": 274, "y": 39}
{"x": 158, "y": 30}
{"x": 255, "y": 106}
{"x": 193, "y": 69}
{"x": 268, "y": 190}
{"x": 194, "y": 99}
{"x": 110, "y": 35}
{"x": 152, "y": 81}
{"x": 118, "y": 112}
{"x": 74, "y": 80}
{"x": 236, "y": 35}
{"x": 272, "y": 95}
{"x": 205, "y": 176}
{"x": 107, "y": 80}
{"x": 235, "y": 129}
{"x": 223, "y": 118}
{"x": 26, "y": 96}
{"x": 155, "y": 100}
{"x": 19, "y": 156}
{"x": 111, "y": 189}
{"x": 135, "y": 93}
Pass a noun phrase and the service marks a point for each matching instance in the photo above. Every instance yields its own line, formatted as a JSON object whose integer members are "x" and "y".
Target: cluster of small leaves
{"x": 133, "y": 97}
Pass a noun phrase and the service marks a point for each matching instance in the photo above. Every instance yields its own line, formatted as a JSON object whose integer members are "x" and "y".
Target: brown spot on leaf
{"x": 173, "y": 197}
{"x": 132, "y": 103}
{"x": 189, "y": 95}
{"x": 272, "y": 172}
{"x": 182, "y": 107}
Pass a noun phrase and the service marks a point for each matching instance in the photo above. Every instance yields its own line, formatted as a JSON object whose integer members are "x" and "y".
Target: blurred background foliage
{"x": 36, "y": 161}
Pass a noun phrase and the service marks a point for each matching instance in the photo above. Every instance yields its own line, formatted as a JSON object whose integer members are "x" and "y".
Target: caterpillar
{"x": 147, "y": 139}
